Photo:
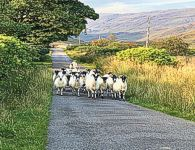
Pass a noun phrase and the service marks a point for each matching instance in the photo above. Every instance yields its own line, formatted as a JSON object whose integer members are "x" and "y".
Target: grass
{"x": 77, "y": 55}
{"x": 161, "y": 108}
{"x": 163, "y": 88}
{"x": 25, "y": 111}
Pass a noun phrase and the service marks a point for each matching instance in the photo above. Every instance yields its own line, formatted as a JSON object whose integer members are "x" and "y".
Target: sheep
{"x": 82, "y": 83}
{"x": 73, "y": 65}
{"x": 74, "y": 83}
{"x": 120, "y": 87}
{"x": 101, "y": 85}
{"x": 123, "y": 86}
{"x": 55, "y": 74}
{"x": 90, "y": 83}
{"x": 68, "y": 71}
{"x": 109, "y": 83}
{"x": 108, "y": 75}
{"x": 61, "y": 82}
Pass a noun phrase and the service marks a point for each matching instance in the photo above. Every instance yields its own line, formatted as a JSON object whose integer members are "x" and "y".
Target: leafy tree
{"x": 44, "y": 21}
{"x": 174, "y": 45}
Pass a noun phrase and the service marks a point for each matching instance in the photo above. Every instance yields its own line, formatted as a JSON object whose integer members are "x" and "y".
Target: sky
{"x": 133, "y": 6}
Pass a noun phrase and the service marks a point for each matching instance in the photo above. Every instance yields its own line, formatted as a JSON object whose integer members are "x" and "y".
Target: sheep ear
{"x": 56, "y": 72}
{"x": 64, "y": 72}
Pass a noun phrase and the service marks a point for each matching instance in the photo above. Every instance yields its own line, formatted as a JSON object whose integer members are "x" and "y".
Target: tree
{"x": 174, "y": 45}
{"x": 44, "y": 21}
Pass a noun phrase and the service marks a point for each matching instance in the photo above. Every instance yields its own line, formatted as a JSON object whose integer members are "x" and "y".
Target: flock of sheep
{"x": 89, "y": 81}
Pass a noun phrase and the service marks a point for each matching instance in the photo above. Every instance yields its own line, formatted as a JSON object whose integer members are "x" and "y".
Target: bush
{"x": 14, "y": 56}
{"x": 141, "y": 55}
{"x": 122, "y": 45}
{"x": 87, "y": 48}
{"x": 191, "y": 52}
{"x": 174, "y": 46}
{"x": 72, "y": 47}
{"x": 100, "y": 42}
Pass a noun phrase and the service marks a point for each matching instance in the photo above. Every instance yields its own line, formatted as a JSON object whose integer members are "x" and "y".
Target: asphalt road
{"x": 79, "y": 123}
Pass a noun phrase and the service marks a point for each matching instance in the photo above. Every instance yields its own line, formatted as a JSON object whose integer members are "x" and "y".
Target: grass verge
{"x": 163, "y": 109}
{"x": 25, "y": 112}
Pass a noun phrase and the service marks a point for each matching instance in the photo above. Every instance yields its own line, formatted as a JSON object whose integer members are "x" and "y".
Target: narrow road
{"x": 79, "y": 123}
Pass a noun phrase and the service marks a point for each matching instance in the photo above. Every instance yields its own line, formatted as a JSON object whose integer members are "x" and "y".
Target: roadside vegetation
{"x": 25, "y": 92}
{"x": 26, "y": 32}
{"x": 160, "y": 78}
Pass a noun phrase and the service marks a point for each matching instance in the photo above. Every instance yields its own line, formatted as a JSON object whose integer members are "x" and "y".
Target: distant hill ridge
{"x": 132, "y": 26}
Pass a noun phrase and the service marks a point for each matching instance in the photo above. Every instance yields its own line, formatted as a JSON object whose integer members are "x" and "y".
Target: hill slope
{"x": 133, "y": 26}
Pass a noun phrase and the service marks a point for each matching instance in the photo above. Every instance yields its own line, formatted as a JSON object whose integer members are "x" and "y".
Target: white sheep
{"x": 101, "y": 85}
{"x": 74, "y": 84}
{"x": 120, "y": 87}
{"x": 61, "y": 82}
{"x": 90, "y": 84}
{"x": 73, "y": 65}
{"x": 109, "y": 83}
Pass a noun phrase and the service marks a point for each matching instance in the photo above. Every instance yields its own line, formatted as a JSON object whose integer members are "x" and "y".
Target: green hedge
{"x": 15, "y": 56}
{"x": 98, "y": 50}
{"x": 142, "y": 55}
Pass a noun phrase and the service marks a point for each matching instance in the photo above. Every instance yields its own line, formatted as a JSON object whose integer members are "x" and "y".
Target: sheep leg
{"x": 58, "y": 90}
{"x": 92, "y": 94}
{"x": 61, "y": 90}
{"x": 112, "y": 94}
{"x": 95, "y": 94}
{"x": 102, "y": 94}
{"x": 124, "y": 96}
{"x": 72, "y": 91}
{"x": 119, "y": 95}
{"x": 78, "y": 92}
{"x": 88, "y": 93}
{"x": 107, "y": 92}
{"x": 115, "y": 95}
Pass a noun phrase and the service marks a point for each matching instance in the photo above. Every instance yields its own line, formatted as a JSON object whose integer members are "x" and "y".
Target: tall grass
{"x": 25, "y": 110}
{"x": 168, "y": 89}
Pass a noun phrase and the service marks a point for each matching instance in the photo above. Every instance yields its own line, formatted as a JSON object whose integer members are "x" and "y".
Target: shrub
{"x": 141, "y": 55}
{"x": 87, "y": 48}
{"x": 191, "y": 52}
{"x": 122, "y": 45}
{"x": 14, "y": 56}
{"x": 174, "y": 45}
{"x": 100, "y": 42}
{"x": 72, "y": 47}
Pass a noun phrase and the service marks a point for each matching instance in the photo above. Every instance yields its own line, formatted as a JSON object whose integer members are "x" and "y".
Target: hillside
{"x": 133, "y": 26}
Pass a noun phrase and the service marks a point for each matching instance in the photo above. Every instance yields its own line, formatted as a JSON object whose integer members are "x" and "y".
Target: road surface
{"x": 80, "y": 123}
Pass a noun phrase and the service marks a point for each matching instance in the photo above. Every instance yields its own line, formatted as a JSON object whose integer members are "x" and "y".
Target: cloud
{"x": 127, "y": 6}
{"x": 117, "y": 7}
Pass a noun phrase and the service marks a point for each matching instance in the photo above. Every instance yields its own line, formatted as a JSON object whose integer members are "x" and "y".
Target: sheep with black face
{"x": 61, "y": 82}
{"x": 120, "y": 87}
